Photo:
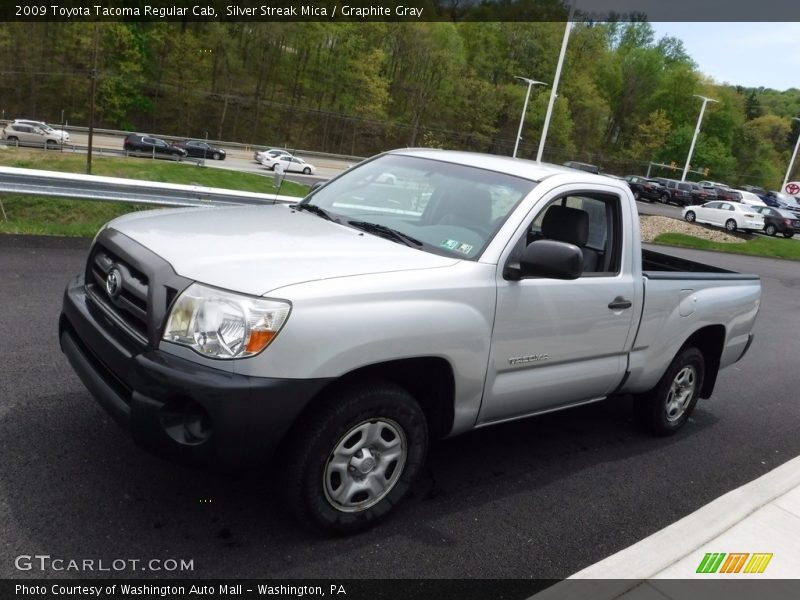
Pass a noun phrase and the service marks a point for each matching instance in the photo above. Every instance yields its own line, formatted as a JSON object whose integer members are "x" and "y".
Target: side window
{"x": 590, "y": 221}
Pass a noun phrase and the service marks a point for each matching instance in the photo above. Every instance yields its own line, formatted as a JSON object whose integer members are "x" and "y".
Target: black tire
{"x": 788, "y": 234}
{"x": 216, "y": 156}
{"x": 665, "y": 409}
{"x": 637, "y": 195}
{"x": 730, "y": 225}
{"x": 51, "y": 143}
{"x": 307, "y": 171}
{"x": 770, "y": 229}
{"x": 13, "y": 138}
{"x": 275, "y": 166}
{"x": 314, "y": 480}
{"x": 665, "y": 198}
{"x": 690, "y": 216}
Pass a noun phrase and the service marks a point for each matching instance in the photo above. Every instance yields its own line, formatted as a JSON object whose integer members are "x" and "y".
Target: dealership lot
{"x": 537, "y": 498}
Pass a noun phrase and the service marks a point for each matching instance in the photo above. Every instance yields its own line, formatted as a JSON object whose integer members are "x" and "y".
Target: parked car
{"x": 30, "y": 135}
{"x": 137, "y": 142}
{"x": 778, "y": 220}
{"x": 59, "y": 133}
{"x": 784, "y": 201}
{"x": 701, "y": 195}
{"x": 726, "y": 193}
{"x": 730, "y": 215}
{"x": 754, "y": 189}
{"x": 201, "y": 149}
{"x": 289, "y": 164}
{"x": 260, "y": 155}
{"x": 572, "y": 164}
{"x": 677, "y": 192}
{"x": 649, "y": 189}
{"x": 750, "y": 198}
{"x": 346, "y": 334}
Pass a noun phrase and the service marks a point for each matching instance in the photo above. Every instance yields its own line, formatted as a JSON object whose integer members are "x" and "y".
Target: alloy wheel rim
{"x": 680, "y": 393}
{"x": 365, "y": 465}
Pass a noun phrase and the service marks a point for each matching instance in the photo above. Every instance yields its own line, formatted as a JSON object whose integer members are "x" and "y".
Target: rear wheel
{"x": 690, "y": 216}
{"x": 665, "y": 198}
{"x": 770, "y": 229}
{"x": 730, "y": 225}
{"x": 356, "y": 459}
{"x": 13, "y": 138}
{"x": 637, "y": 195}
{"x": 666, "y": 408}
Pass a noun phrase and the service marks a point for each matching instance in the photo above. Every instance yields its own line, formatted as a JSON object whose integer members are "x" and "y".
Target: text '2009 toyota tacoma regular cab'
{"x": 421, "y": 293}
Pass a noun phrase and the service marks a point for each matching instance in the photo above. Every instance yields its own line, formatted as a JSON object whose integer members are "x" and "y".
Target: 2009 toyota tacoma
{"x": 421, "y": 293}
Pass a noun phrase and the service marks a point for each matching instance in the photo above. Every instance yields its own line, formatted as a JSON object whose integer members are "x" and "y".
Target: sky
{"x": 746, "y": 54}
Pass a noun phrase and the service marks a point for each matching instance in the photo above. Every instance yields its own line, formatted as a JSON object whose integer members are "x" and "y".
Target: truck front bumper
{"x": 173, "y": 407}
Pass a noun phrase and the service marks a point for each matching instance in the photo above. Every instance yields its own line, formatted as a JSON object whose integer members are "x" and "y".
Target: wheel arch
{"x": 710, "y": 340}
{"x": 430, "y": 380}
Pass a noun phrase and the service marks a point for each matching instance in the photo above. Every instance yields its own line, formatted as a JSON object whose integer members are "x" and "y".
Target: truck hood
{"x": 256, "y": 249}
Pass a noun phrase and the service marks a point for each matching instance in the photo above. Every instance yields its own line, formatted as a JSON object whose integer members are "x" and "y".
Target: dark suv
{"x": 677, "y": 192}
{"x": 148, "y": 144}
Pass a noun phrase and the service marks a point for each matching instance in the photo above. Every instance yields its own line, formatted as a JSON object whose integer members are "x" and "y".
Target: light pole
{"x": 554, "y": 91}
{"x": 696, "y": 132}
{"x": 531, "y": 83}
{"x": 794, "y": 155}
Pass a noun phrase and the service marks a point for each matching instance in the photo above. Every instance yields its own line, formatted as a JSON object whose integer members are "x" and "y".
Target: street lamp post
{"x": 556, "y": 78}
{"x": 791, "y": 162}
{"x": 531, "y": 83}
{"x": 696, "y": 132}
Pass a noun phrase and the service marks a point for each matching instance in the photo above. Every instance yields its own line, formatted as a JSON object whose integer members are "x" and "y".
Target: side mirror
{"x": 551, "y": 259}
{"x": 316, "y": 185}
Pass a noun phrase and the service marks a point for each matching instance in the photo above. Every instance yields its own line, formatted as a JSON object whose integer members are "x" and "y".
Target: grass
{"x": 44, "y": 215}
{"x": 760, "y": 245}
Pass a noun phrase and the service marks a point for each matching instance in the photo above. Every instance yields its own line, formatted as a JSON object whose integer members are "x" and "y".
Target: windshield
{"x": 449, "y": 209}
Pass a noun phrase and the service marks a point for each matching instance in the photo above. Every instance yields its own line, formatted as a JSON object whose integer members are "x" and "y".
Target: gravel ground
{"x": 653, "y": 226}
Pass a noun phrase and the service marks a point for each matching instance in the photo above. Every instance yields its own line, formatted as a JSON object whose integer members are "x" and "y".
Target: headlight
{"x": 222, "y": 324}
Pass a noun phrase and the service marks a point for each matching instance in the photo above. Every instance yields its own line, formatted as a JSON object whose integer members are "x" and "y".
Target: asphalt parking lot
{"x": 540, "y": 498}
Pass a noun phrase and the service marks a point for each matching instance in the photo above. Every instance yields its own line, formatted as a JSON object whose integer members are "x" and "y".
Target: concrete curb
{"x": 629, "y": 568}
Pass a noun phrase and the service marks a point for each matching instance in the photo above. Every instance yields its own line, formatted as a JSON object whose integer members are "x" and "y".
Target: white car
{"x": 29, "y": 134}
{"x": 59, "y": 133}
{"x": 730, "y": 215}
{"x": 260, "y": 155}
{"x": 750, "y": 198}
{"x": 289, "y": 163}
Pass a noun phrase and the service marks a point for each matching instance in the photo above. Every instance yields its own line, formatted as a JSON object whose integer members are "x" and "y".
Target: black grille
{"x": 147, "y": 287}
{"x": 130, "y": 305}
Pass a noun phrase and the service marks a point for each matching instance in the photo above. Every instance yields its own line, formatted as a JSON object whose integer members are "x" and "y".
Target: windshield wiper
{"x": 314, "y": 209}
{"x": 386, "y": 232}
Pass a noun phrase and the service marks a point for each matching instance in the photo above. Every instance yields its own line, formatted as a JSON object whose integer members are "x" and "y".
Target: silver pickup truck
{"x": 421, "y": 293}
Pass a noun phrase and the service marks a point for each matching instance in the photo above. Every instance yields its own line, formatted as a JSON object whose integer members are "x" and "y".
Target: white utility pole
{"x": 531, "y": 83}
{"x": 791, "y": 162}
{"x": 554, "y": 91}
{"x": 696, "y": 132}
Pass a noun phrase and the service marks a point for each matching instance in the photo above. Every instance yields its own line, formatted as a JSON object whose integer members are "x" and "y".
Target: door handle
{"x": 619, "y": 303}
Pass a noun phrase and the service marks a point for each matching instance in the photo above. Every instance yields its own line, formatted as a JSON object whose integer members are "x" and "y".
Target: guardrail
{"x": 93, "y": 187}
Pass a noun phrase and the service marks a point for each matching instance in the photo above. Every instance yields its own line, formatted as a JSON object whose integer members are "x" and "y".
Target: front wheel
{"x": 690, "y": 216}
{"x": 216, "y": 156}
{"x": 730, "y": 225}
{"x": 770, "y": 229}
{"x": 307, "y": 171}
{"x": 666, "y": 408}
{"x": 355, "y": 460}
{"x": 665, "y": 198}
{"x": 788, "y": 234}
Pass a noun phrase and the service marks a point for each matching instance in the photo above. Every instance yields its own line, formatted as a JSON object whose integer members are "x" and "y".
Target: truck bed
{"x": 656, "y": 265}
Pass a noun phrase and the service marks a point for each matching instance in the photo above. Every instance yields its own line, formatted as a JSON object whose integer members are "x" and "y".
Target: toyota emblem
{"x": 114, "y": 283}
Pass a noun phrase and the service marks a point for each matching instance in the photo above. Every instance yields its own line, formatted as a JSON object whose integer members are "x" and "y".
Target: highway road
{"x": 539, "y": 498}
